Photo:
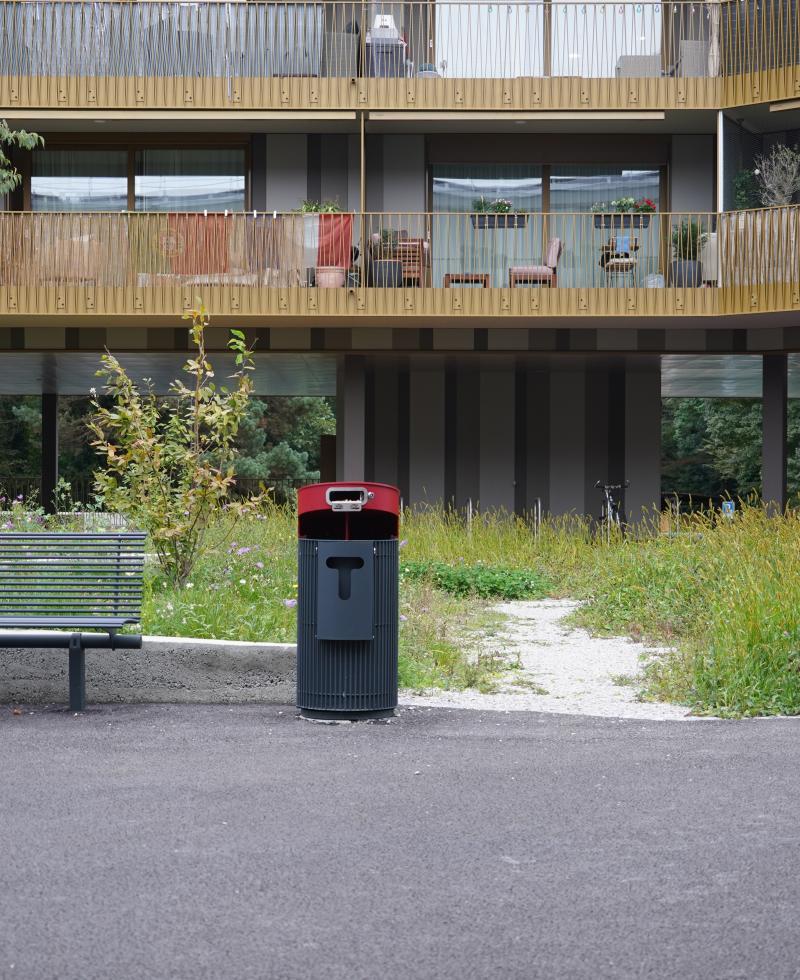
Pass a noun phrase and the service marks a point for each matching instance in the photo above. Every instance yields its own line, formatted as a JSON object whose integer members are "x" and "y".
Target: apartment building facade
{"x": 509, "y": 354}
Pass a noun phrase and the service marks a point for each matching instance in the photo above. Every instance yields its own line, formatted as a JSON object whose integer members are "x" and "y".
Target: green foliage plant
{"x": 319, "y": 207}
{"x": 481, "y": 580}
{"x": 10, "y": 177}
{"x": 497, "y": 205}
{"x": 745, "y": 191}
{"x": 624, "y": 205}
{"x": 170, "y": 464}
{"x": 688, "y": 238}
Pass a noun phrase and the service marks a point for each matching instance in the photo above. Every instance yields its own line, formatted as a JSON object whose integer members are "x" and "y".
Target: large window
{"x": 492, "y": 247}
{"x": 589, "y": 243}
{"x": 79, "y": 180}
{"x": 578, "y": 188}
{"x": 155, "y": 179}
{"x": 463, "y": 247}
{"x": 190, "y": 180}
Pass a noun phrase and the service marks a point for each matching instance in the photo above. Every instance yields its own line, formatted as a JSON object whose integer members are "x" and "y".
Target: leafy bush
{"x": 169, "y": 464}
{"x": 483, "y": 581}
{"x": 10, "y": 177}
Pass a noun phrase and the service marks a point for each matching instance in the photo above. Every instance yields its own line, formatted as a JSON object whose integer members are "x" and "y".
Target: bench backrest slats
{"x": 59, "y": 574}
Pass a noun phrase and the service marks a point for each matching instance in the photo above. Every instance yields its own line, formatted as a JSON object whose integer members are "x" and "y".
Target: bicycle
{"x": 610, "y": 513}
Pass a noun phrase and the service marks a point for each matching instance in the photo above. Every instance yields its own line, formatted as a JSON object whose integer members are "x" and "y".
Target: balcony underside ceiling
{"x": 535, "y": 121}
{"x": 241, "y": 121}
{"x": 771, "y": 118}
{"x": 180, "y": 120}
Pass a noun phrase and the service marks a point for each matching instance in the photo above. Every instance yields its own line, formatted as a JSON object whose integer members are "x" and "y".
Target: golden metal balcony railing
{"x": 389, "y": 266}
{"x": 447, "y": 54}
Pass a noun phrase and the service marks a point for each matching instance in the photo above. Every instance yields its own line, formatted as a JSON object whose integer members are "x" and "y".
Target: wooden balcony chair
{"x": 540, "y": 275}
{"x": 617, "y": 263}
{"x": 412, "y": 254}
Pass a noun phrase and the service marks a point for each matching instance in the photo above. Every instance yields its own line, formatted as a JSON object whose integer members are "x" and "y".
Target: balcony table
{"x": 482, "y": 279}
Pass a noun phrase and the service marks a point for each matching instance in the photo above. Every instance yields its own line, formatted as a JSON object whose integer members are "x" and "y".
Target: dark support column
{"x": 773, "y": 451}
{"x": 49, "y": 451}
{"x": 350, "y": 418}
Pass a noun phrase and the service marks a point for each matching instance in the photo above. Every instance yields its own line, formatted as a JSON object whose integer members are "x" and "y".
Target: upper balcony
{"x": 418, "y": 269}
{"x": 445, "y": 55}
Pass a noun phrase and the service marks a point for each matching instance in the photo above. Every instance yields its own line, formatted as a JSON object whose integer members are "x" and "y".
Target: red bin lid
{"x": 348, "y": 496}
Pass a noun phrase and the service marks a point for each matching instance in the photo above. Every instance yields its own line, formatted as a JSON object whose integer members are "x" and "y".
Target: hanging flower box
{"x": 622, "y": 220}
{"x": 488, "y": 219}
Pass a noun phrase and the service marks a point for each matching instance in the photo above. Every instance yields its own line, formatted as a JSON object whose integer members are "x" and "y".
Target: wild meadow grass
{"x": 245, "y": 588}
{"x": 723, "y": 593}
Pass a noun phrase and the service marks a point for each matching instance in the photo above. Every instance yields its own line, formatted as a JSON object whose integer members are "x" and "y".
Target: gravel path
{"x": 574, "y": 668}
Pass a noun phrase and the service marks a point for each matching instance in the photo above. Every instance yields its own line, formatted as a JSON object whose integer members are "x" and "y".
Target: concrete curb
{"x": 168, "y": 669}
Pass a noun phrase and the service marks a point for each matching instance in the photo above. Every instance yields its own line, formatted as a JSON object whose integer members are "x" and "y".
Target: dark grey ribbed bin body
{"x": 347, "y": 629}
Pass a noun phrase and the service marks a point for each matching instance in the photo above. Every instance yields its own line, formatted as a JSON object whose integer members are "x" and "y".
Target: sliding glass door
{"x": 590, "y": 240}
{"x": 464, "y": 240}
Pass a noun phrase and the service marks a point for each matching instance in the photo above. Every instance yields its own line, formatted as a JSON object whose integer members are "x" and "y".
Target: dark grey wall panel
{"x": 468, "y": 431}
{"x": 567, "y": 437}
{"x": 538, "y": 436}
{"x": 642, "y": 435}
{"x": 497, "y": 437}
{"x": 258, "y": 172}
{"x": 597, "y": 434}
{"x": 426, "y": 434}
{"x": 334, "y": 168}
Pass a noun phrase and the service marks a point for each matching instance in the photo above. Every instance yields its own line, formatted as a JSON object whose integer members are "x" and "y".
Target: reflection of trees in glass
{"x": 712, "y": 446}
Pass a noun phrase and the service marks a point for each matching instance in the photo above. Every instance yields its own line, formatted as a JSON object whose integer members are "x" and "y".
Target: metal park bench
{"x": 71, "y": 582}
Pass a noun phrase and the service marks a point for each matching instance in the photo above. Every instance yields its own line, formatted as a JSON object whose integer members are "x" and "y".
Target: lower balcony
{"x": 398, "y": 269}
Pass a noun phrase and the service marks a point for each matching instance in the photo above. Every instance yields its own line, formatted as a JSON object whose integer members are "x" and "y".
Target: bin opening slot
{"x": 345, "y": 566}
{"x": 366, "y": 524}
{"x": 347, "y": 498}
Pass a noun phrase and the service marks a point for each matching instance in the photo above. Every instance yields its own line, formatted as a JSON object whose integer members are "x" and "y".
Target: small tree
{"x": 10, "y": 177}
{"x": 778, "y": 175}
{"x": 169, "y": 463}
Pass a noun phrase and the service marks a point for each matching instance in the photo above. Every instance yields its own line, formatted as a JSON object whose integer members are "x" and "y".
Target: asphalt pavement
{"x": 241, "y": 842}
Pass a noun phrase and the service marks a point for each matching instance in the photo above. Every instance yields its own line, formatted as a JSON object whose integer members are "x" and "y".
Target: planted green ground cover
{"x": 481, "y": 580}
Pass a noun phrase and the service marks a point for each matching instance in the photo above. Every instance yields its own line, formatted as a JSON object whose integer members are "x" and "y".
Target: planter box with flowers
{"x": 625, "y": 212}
{"x": 498, "y": 213}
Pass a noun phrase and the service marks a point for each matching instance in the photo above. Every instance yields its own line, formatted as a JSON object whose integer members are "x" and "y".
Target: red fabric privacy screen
{"x": 335, "y": 240}
{"x": 198, "y": 244}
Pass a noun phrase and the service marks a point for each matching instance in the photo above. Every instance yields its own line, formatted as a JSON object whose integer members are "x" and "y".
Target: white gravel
{"x": 573, "y": 667}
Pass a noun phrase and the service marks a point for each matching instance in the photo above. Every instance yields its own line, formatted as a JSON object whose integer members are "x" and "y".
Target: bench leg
{"x": 77, "y": 674}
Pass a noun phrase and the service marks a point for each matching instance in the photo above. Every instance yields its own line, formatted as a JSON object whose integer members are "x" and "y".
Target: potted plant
{"x": 745, "y": 191}
{"x": 327, "y": 236}
{"x": 496, "y": 213}
{"x": 624, "y": 212}
{"x": 385, "y": 270}
{"x": 688, "y": 238}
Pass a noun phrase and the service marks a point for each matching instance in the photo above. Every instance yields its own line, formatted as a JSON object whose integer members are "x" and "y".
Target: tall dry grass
{"x": 724, "y": 592}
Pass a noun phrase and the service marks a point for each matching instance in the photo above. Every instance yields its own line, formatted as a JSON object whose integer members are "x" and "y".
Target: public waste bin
{"x": 347, "y": 622}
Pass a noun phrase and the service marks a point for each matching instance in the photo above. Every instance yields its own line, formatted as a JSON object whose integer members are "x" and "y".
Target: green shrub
{"x": 169, "y": 464}
{"x": 483, "y": 581}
